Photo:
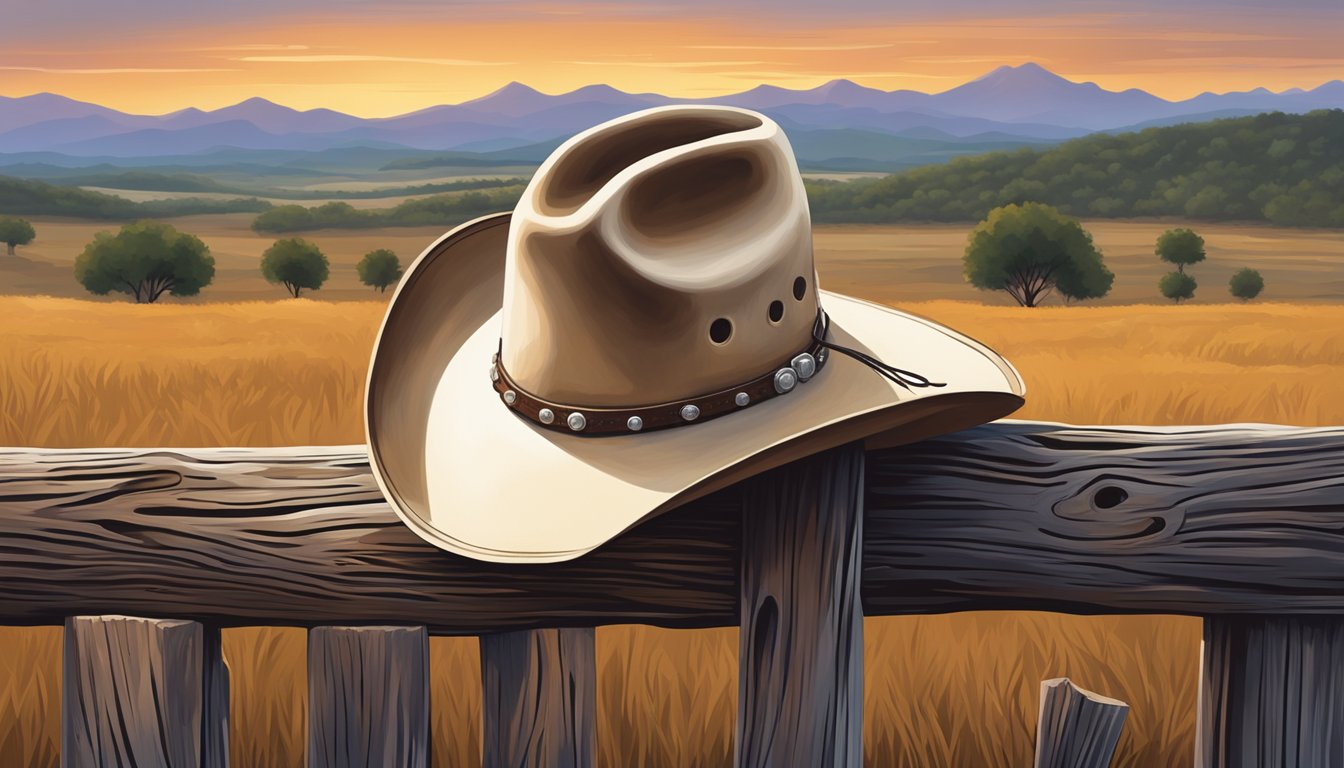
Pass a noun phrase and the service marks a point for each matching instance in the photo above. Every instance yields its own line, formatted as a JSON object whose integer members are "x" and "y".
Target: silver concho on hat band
{"x": 804, "y": 365}
{"x": 577, "y": 419}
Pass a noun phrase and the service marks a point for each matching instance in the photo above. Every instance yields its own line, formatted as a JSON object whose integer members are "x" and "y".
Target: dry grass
{"x": 30, "y": 696}
{"x": 254, "y": 374}
{"x": 955, "y": 690}
{"x": 292, "y": 372}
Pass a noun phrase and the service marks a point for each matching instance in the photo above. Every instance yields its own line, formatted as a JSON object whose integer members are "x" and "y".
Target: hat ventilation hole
{"x": 776, "y": 312}
{"x": 721, "y": 330}
{"x": 799, "y": 287}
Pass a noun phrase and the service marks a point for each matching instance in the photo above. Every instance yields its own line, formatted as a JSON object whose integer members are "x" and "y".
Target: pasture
{"x": 897, "y": 263}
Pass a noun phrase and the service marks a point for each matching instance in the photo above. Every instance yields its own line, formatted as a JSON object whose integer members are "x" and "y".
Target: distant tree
{"x": 1208, "y": 203}
{"x": 1246, "y": 284}
{"x": 1177, "y": 286}
{"x": 296, "y": 264}
{"x": 1180, "y": 247}
{"x": 15, "y": 232}
{"x": 1085, "y": 279}
{"x": 1030, "y": 249}
{"x": 379, "y": 269}
{"x": 145, "y": 259}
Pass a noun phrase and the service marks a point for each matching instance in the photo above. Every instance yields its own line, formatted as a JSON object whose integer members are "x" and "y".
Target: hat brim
{"x": 470, "y": 476}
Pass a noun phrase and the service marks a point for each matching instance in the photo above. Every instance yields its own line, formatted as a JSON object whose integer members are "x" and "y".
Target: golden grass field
{"x": 955, "y": 690}
{"x": 917, "y": 262}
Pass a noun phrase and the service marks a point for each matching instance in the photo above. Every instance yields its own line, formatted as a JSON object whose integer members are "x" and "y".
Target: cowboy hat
{"x": 644, "y": 328}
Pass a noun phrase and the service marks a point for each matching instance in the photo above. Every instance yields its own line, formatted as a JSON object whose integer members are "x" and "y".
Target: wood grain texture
{"x": 1271, "y": 694}
{"x": 132, "y": 694}
{"x": 1186, "y": 520}
{"x": 368, "y": 697}
{"x": 1205, "y": 520}
{"x": 539, "y": 698}
{"x": 800, "y": 649}
{"x": 302, "y": 537}
{"x": 1077, "y": 728}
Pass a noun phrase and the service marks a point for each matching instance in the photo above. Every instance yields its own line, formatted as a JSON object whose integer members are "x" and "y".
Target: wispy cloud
{"x": 856, "y": 74}
{"x": 974, "y": 60}
{"x": 334, "y": 58}
{"x": 1231, "y": 63}
{"x": 670, "y": 64}
{"x": 837, "y": 47}
{"x": 254, "y": 47}
{"x": 762, "y": 76}
{"x": 110, "y": 70}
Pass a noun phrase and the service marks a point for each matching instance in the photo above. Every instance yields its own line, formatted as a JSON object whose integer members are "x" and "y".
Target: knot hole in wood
{"x": 1106, "y": 507}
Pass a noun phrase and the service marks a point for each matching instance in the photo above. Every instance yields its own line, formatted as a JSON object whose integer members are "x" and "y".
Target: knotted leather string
{"x": 902, "y": 378}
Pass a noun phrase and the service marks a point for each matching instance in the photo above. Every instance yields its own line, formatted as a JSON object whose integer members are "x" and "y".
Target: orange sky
{"x": 382, "y": 63}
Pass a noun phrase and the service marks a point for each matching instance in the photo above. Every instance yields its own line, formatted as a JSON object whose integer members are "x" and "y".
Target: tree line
{"x": 437, "y": 210}
{"x": 28, "y": 197}
{"x": 1278, "y": 168}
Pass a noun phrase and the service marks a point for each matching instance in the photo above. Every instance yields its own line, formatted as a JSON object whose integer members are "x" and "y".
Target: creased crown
{"x": 659, "y": 256}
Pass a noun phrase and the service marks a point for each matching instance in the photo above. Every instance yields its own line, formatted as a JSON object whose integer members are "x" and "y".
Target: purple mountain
{"x": 265, "y": 115}
{"x": 1031, "y": 93}
{"x": 181, "y": 141}
{"x": 836, "y": 93}
{"x": 42, "y": 107}
{"x": 1026, "y": 102}
{"x": 518, "y": 100}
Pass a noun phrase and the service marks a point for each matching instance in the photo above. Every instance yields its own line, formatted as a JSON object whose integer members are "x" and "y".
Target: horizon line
{"x": 851, "y": 81}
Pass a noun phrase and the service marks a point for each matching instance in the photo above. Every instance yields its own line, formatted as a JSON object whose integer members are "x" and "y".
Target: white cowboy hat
{"x": 643, "y": 329}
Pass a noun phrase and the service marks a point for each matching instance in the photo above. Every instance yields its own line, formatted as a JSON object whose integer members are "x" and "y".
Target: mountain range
{"x": 840, "y": 120}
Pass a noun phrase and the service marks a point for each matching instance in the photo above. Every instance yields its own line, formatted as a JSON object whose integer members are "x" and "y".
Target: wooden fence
{"x": 1242, "y": 525}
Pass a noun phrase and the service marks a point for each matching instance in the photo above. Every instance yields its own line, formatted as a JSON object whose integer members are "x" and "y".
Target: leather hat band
{"x": 581, "y": 420}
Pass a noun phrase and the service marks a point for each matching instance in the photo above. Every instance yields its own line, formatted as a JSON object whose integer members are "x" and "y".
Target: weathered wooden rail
{"x": 1243, "y": 525}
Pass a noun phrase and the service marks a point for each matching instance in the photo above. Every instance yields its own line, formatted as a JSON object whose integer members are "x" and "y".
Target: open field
{"x": 141, "y": 195}
{"x": 888, "y": 263}
{"x": 387, "y": 179}
{"x": 956, "y": 690}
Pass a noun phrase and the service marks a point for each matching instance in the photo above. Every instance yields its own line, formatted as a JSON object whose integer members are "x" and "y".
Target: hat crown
{"x": 658, "y": 257}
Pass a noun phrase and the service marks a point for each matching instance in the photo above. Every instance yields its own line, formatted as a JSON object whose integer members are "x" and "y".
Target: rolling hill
{"x": 1277, "y": 168}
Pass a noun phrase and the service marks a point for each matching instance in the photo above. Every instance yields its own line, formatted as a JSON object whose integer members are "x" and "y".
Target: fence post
{"x": 1271, "y": 693}
{"x": 539, "y": 698}
{"x": 1077, "y": 728}
{"x": 368, "y": 697}
{"x": 142, "y": 692}
{"x": 214, "y": 700}
{"x": 800, "y": 659}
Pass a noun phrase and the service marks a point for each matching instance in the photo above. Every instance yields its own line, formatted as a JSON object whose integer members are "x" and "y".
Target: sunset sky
{"x": 382, "y": 58}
